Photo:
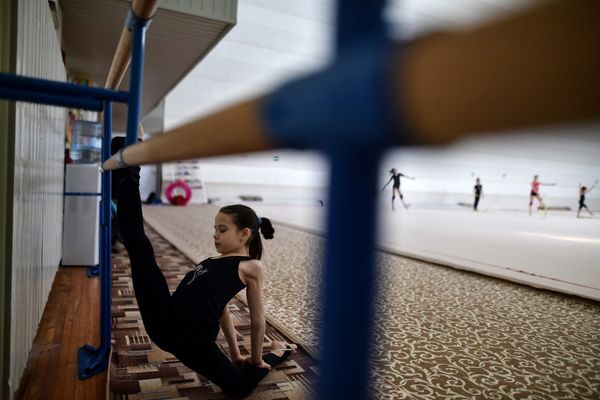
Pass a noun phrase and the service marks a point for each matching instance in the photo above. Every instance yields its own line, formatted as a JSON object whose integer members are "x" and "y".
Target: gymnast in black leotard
{"x": 396, "y": 187}
{"x": 186, "y": 323}
{"x": 582, "y": 192}
{"x": 478, "y": 193}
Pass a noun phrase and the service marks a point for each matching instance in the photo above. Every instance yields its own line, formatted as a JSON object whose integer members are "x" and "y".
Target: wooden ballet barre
{"x": 143, "y": 9}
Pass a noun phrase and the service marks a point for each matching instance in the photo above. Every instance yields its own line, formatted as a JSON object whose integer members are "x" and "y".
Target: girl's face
{"x": 228, "y": 238}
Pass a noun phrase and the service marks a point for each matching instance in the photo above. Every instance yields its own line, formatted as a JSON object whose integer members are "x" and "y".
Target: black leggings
{"x": 154, "y": 301}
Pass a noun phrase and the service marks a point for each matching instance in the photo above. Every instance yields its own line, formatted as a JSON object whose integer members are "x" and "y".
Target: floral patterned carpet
{"x": 438, "y": 332}
{"x": 140, "y": 370}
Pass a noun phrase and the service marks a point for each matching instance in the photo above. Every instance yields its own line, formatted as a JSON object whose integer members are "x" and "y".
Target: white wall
{"x": 445, "y": 176}
{"x": 287, "y": 177}
{"x": 147, "y": 181}
{"x": 38, "y": 185}
{"x": 274, "y": 183}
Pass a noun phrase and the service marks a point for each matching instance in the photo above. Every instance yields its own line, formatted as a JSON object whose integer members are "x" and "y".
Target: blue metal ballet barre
{"x": 93, "y": 360}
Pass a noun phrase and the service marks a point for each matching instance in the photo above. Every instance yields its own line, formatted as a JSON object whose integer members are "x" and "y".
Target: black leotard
{"x": 204, "y": 292}
{"x": 478, "y": 188}
{"x": 396, "y": 179}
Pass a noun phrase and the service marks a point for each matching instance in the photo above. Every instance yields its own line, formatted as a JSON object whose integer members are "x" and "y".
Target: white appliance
{"x": 81, "y": 227}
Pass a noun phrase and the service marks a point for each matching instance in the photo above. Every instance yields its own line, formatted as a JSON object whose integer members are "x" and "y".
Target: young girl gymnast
{"x": 535, "y": 192}
{"x": 396, "y": 187}
{"x": 582, "y": 192}
{"x": 186, "y": 323}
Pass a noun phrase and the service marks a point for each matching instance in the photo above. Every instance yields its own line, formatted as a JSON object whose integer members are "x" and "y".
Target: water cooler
{"x": 81, "y": 227}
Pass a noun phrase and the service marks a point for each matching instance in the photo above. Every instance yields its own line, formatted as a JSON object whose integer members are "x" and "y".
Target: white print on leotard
{"x": 198, "y": 270}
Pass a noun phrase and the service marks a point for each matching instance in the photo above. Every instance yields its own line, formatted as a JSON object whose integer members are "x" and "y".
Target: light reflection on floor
{"x": 558, "y": 252}
{"x": 562, "y": 237}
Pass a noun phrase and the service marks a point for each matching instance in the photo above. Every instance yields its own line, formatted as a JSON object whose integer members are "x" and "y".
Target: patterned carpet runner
{"x": 140, "y": 370}
{"x": 438, "y": 332}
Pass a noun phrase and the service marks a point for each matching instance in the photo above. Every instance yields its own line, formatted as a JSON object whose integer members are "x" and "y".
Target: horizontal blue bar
{"x": 61, "y": 88}
{"x": 89, "y": 194}
{"x": 51, "y": 99}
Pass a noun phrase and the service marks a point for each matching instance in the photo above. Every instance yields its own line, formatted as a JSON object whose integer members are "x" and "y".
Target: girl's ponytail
{"x": 266, "y": 228}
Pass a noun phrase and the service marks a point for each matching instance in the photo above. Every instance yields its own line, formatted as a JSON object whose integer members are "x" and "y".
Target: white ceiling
{"x": 275, "y": 40}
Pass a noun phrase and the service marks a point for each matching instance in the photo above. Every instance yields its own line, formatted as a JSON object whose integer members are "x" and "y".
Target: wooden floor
{"x": 70, "y": 320}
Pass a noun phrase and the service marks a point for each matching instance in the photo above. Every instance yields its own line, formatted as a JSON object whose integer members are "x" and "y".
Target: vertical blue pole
{"x": 106, "y": 266}
{"x": 350, "y": 273}
{"x": 136, "y": 79}
{"x": 92, "y": 360}
{"x": 356, "y": 19}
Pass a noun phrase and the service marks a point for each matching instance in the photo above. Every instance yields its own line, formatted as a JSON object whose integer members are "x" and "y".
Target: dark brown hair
{"x": 245, "y": 217}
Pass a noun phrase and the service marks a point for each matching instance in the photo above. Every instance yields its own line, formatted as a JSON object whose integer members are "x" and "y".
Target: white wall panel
{"x": 38, "y": 183}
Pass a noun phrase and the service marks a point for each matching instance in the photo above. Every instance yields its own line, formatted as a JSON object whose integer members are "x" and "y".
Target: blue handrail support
{"x": 93, "y": 360}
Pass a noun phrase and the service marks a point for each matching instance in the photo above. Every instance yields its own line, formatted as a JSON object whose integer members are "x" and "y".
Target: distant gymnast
{"x": 582, "y": 192}
{"x": 396, "y": 187}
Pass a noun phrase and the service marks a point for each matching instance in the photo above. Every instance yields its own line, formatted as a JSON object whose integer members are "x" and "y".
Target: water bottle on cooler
{"x": 86, "y": 144}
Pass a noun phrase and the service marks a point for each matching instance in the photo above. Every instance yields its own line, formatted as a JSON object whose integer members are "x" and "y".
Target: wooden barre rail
{"x": 144, "y": 9}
